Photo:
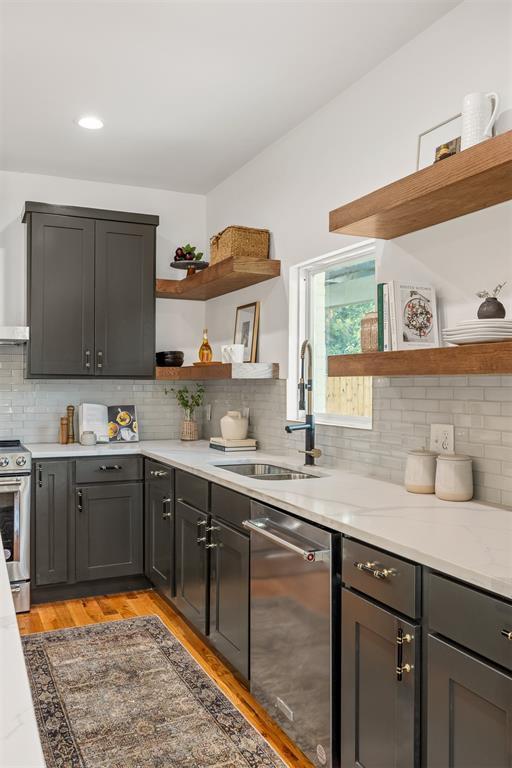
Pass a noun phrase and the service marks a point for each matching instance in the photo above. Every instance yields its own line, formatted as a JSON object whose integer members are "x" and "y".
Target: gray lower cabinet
{"x": 52, "y": 522}
{"x": 380, "y": 687}
{"x": 229, "y": 595}
{"x": 469, "y": 720}
{"x": 109, "y": 531}
{"x": 191, "y": 564}
{"x": 159, "y": 528}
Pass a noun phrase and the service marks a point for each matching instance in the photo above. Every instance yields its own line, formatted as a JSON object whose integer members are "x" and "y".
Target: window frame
{"x": 300, "y": 325}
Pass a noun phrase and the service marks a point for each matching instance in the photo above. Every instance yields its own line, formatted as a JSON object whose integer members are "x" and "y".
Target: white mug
{"x": 232, "y": 353}
{"x": 479, "y": 113}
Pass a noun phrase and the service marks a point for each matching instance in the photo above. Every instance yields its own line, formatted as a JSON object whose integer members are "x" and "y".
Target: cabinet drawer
{"x": 388, "y": 579}
{"x": 192, "y": 490}
{"x": 476, "y": 621}
{"x": 108, "y": 468}
{"x": 155, "y": 472}
{"x": 230, "y": 506}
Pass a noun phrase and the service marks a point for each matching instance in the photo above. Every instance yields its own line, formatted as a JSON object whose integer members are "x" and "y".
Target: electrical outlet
{"x": 442, "y": 438}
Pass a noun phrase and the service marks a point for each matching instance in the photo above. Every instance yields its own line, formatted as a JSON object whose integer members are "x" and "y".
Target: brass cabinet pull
{"x": 158, "y": 473}
{"x": 507, "y": 634}
{"x": 377, "y": 573}
{"x": 79, "y": 496}
{"x": 211, "y": 546}
{"x": 402, "y": 639}
{"x": 212, "y": 528}
{"x": 40, "y": 475}
{"x": 110, "y": 467}
{"x": 99, "y": 359}
{"x": 201, "y": 539}
{"x": 87, "y": 358}
{"x": 168, "y": 514}
{"x": 200, "y": 522}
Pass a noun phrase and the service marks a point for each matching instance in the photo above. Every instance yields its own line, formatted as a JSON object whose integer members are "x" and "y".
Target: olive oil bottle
{"x": 205, "y": 351}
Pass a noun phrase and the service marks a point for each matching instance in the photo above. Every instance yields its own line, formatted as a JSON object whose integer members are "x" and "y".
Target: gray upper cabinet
{"x": 379, "y": 687}
{"x": 91, "y": 292}
{"x": 109, "y": 530}
{"x": 125, "y": 299}
{"x": 53, "y": 523}
{"x": 469, "y": 710}
{"x": 61, "y": 295}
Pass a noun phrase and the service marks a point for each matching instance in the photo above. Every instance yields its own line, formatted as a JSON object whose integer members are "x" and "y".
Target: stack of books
{"x": 220, "y": 444}
{"x": 407, "y": 316}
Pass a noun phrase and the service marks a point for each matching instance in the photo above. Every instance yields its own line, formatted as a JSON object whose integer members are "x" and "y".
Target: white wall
{"x": 182, "y": 219}
{"x": 363, "y": 139}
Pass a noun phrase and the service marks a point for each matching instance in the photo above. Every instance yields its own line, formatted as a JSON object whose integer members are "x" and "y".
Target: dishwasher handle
{"x": 310, "y": 556}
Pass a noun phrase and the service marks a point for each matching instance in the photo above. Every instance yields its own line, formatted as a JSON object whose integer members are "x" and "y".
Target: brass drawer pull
{"x": 507, "y": 634}
{"x": 377, "y": 573}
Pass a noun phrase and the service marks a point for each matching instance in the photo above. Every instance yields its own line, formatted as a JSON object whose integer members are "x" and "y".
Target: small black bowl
{"x": 170, "y": 359}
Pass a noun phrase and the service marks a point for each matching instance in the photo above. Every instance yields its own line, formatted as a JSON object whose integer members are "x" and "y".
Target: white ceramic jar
{"x": 234, "y": 426}
{"x": 420, "y": 471}
{"x": 454, "y": 477}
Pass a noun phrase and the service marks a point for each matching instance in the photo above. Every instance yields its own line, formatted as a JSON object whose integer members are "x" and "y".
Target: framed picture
{"x": 430, "y": 142}
{"x": 122, "y": 424}
{"x": 413, "y": 315}
{"x": 246, "y": 330}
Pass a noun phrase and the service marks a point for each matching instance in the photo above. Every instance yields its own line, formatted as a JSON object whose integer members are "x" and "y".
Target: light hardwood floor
{"x": 92, "y": 610}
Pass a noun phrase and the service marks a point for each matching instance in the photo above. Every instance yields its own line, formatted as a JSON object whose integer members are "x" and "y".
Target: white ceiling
{"x": 188, "y": 91}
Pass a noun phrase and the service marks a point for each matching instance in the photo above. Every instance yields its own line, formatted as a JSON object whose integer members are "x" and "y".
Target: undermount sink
{"x": 266, "y": 471}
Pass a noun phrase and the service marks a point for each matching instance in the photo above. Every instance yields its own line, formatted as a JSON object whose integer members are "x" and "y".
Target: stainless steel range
{"x": 15, "y": 466}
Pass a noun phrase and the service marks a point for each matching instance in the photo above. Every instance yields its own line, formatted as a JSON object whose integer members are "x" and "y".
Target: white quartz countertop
{"x": 467, "y": 540}
{"x": 19, "y": 738}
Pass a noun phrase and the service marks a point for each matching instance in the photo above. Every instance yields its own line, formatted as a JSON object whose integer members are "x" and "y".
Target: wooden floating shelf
{"x": 445, "y": 361}
{"x": 226, "y": 276}
{"x": 237, "y": 371}
{"x": 476, "y": 178}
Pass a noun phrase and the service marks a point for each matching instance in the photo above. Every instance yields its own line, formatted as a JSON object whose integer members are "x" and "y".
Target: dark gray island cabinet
{"x": 91, "y": 292}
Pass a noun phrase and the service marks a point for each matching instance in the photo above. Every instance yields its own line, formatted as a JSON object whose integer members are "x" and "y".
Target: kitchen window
{"x": 328, "y": 298}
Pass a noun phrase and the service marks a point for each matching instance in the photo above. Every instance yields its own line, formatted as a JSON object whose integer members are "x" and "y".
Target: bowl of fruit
{"x": 187, "y": 257}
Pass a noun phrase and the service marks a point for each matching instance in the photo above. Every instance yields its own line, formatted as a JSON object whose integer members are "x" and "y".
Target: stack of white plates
{"x": 479, "y": 331}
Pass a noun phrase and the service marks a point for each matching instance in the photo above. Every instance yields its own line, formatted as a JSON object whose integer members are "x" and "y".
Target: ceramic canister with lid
{"x": 234, "y": 426}
{"x": 454, "y": 477}
{"x": 420, "y": 471}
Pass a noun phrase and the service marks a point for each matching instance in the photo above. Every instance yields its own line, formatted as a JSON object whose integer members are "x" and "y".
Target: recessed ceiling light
{"x": 90, "y": 122}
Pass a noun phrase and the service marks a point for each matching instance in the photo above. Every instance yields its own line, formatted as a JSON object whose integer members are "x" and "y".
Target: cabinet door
{"x": 125, "y": 299}
{"x": 191, "y": 564}
{"x": 109, "y": 531}
{"x": 229, "y": 595}
{"x": 61, "y": 296}
{"x": 469, "y": 711}
{"x": 160, "y": 536}
{"x": 379, "y": 707}
{"x": 52, "y": 520}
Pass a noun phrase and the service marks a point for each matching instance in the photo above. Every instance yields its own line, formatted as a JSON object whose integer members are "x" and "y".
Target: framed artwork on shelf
{"x": 246, "y": 330}
{"x": 439, "y": 142}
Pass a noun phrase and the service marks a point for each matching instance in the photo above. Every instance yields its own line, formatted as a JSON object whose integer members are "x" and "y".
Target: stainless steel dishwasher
{"x": 295, "y": 585}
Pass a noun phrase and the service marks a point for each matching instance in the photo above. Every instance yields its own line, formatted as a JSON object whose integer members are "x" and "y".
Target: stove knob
{"x": 4, "y": 461}
{"x": 21, "y": 461}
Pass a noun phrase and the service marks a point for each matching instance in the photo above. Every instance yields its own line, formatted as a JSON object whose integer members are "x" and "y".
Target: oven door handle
{"x": 309, "y": 555}
{"x": 12, "y": 484}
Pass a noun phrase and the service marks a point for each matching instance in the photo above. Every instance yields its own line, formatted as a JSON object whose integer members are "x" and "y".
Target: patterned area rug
{"x": 126, "y": 694}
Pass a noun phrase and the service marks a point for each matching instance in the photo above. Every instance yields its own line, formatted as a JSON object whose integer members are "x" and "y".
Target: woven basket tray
{"x": 240, "y": 243}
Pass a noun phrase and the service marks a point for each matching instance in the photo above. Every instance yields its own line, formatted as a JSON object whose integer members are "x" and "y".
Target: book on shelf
{"x": 407, "y": 316}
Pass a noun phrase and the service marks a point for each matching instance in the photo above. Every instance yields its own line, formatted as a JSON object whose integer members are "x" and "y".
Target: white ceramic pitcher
{"x": 479, "y": 113}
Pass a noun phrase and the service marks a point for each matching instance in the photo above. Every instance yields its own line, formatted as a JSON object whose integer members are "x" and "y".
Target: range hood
{"x": 13, "y": 334}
